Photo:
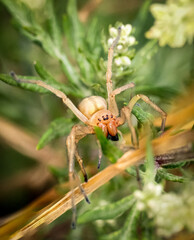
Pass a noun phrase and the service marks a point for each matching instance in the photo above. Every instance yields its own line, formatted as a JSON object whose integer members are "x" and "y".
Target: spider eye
{"x": 113, "y": 138}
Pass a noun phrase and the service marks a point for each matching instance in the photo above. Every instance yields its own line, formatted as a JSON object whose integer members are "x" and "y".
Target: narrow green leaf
{"x": 77, "y": 29}
{"x": 112, "y": 236}
{"x": 93, "y": 39}
{"x": 132, "y": 171}
{"x": 163, "y": 92}
{"x": 108, "y": 148}
{"x": 19, "y": 11}
{"x": 109, "y": 211}
{"x": 58, "y": 128}
{"x": 43, "y": 73}
{"x": 32, "y": 87}
{"x": 142, "y": 19}
{"x": 175, "y": 165}
{"x": 129, "y": 230}
{"x": 86, "y": 69}
{"x": 141, "y": 115}
{"x": 149, "y": 164}
{"x": 34, "y": 31}
{"x": 55, "y": 31}
{"x": 171, "y": 177}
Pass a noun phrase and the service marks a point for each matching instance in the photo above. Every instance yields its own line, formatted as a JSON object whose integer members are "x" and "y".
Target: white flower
{"x": 170, "y": 212}
{"x": 119, "y": 47}
{"x": 118, "y": 61}
{"x": 113, "y": 32}
{"x": 126, "y": 30}
{"x": 131, "y": 40}
{"x": 126, "y": 61}
{"x": 174, "y": 23}
{"x": 123, "y": 60}
{"x": 110, "y": 41}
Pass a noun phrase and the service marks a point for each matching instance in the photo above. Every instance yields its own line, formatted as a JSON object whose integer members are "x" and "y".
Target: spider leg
{"x": 153, "y": 105}
{"x": 77, "y": 133}
{"x": 113, "y": 105}
{"x": 126, "y": 115}
{"x": 111, "y": 101}
{"x": 80, "y": 161}
{"x": 99, "y": 153}
{"x": 57, "y": 92}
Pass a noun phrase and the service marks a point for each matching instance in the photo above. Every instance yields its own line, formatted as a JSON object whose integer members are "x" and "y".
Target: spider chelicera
{"x": 93, "y": 111}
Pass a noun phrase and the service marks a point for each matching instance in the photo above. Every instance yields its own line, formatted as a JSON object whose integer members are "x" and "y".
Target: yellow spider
{"x": 93, "y": 111}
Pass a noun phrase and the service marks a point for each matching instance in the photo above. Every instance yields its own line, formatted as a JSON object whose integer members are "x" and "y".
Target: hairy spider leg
{"x": 111, "y": 101}
{"x": 112, "y": 105}
{"x": 126, "y": 114}
{"x": 77, "y": 133}
{"x": 99, "y": 153}
{"x": 80, "y": 161}
{"x": 57, "y": 92}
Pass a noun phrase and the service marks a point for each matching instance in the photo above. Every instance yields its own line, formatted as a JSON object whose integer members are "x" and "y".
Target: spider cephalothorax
{"x": 95, "y": 108}
{"x": 107, "y": 122}
{"x": 93, "y": 111}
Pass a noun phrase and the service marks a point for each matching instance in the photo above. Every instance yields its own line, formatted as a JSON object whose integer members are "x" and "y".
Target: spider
{"x": 94, "y": 111}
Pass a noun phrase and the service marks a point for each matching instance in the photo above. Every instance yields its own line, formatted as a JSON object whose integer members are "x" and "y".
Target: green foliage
{"x": 141, "y": 115}
{"x": 58, "y": 128}
{"x": 35, "y": 88}
{"x": 110, "y": 211}
{"x": 149, "y": 165}
{"x": 162, "y": 173}
{"x": 129, "y": 230}
{"x": 108, "y": 148}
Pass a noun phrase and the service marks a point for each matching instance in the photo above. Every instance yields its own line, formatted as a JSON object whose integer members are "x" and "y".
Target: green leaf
{"x": 32, "y": 87}
{"x": 45, "y": 75}
{"x": 73, "y": 28}
{"x": 129, "y": 230}
{"x": 141, "y": 115}
{"x": 86, "y": 69}
{"x": 58, "y": 128}
{"x": 163, "y": 92}
{"x": 175, "y": 165}
{"x": 55, "y": 31}
{"x": 34, "y": 31}
{"x": 108, "y": 148}
{"x": 170, "y": 177}
{"x": 142, "y": 19}
{"x": 149, "y": 164}
{"x": 109, "y": 211}
{"x": 20, "y": 11}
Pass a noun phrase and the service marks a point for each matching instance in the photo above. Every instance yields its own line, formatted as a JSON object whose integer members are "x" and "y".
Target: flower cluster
{"x": 174, "y": 23}
{"x": 170, "y": 212}
{"x": 122, "y": 53}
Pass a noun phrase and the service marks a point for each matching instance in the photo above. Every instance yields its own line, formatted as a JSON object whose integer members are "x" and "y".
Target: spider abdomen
{"x": 90, "y": 105}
